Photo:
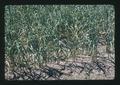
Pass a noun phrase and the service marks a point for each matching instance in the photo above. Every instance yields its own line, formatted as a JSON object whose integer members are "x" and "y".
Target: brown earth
{"x": 82, "y": 68}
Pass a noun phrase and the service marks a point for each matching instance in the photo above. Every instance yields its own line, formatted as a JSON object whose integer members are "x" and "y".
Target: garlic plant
{"x": 41, "y": 33}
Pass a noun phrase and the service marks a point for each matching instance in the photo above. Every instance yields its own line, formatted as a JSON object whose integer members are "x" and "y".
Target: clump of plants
{"x": 37, "y": 34}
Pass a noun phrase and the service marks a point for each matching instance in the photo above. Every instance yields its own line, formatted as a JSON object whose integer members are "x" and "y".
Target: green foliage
{"x": 45, "y": 29}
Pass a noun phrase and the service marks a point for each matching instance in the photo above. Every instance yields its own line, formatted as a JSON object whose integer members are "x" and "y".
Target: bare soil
{"x": 81, "y": 68}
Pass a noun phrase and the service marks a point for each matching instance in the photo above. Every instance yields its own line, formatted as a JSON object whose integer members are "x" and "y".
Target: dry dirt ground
{"x": 81, "y": 68}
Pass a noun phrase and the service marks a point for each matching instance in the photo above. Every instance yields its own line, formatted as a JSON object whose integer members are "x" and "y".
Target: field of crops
{"x": 39, "y": 34}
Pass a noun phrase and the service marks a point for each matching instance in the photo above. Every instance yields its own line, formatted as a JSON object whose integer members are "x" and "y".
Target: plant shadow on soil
{"x": 83, "y": 68}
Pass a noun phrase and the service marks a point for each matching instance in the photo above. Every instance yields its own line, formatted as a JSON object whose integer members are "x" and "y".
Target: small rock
{"x": 20, "y": 78}
{"x": 37, "y": 71}
{"x": 26, "y": 77}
